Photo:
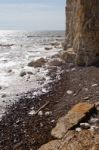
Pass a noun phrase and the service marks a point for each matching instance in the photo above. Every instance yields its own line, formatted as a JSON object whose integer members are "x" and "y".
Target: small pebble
{"x": 86, "y": 98}
{"x": 85, "y": 125}
{"x": 67, "y": 70}
{"x": 94, "y": 120}
{"x": 93, "y": 128}
{"x": 23, "y": 73}
{"x": 69, "y": 92}
{"x": 4, "y": 95}
{"x": 40, "y": 113}
{"x": 48, "y": 113}
{"x": 94, "y": 85}
{"x": 52, "y": 121}
{"x": 33, "y": 112}
{"x": 85, "y": 89}
{"x": 73, "y": 69}
{"x": 78, "y": 129}
{"x": 41, "y": 124}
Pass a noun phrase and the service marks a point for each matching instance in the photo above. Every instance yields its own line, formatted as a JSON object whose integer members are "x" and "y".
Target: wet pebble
{"x": 3, "y": 96}
{"x": 23, "y": 73}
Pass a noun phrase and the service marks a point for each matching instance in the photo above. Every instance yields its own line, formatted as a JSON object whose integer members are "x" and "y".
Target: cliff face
{"x": 82, "y": 30}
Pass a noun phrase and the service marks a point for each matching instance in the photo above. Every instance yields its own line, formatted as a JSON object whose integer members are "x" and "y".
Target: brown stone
{"x": 83, "y": 140}
{"x": 74, "y": 116}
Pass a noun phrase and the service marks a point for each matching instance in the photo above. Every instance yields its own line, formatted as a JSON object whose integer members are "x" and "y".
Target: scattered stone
{"x": 48, "y": 113}
{"x": 94, "y": 120}
{"x": 86, "y": 98}
{"x": 85, "y": 125}
{"x": 10, "y": 70}
{"x": 78, "y": 129}
{"x": 23, "y": 73}
{"x": 85, "y": 89}
{"x": 93, "y": 128}
{"x": 44, "y": 90}
{"x": 30, "y": 73}
{"x": 67, "y": 70}
{"x": 33, "y": 112}
{"x": 41, "y": 124}
{"x": 38, "y": 63}
{"x": 48, "y": 48}
{"x": 55, "y": 44}
{"x": 0, "y": 87}
{"x": 73, "y": 69}
{"x": 40, "y": 113}
{"x": 3, "y": 96}
{"x": 94, "y": 85}
{"x": 52, "y": 121}
{"x": 69, "y": 92}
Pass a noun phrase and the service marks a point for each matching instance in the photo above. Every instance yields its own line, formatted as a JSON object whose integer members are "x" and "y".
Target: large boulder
{"x": 38, "y": 63}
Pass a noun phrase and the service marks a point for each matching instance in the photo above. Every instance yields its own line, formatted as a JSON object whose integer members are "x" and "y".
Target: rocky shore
{"x": 24, "y": 129}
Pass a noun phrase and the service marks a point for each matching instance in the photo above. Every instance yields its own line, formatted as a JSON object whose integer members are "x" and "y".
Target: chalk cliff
{"x": 82, "y": 30}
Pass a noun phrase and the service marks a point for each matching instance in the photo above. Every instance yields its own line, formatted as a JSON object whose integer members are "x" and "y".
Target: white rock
{"x": 69, "y": 92}
{"x": 93, "y": 128}
{"x": 44, "y": 90}
{"x": 41, "y": 124}
{"x": 78, "y": 129}
{"x": 33, "y": 112}
{"x": 85, "y": 89}
{"x": 73, "y": 69}
{"x": 52, "y": 121}
{"x": 86, "y": 98}
{"x": 94, "y": 85}
{"x": 97, "y": 108}
{"x": 48, "y": 113}
{"x": 40, "y": 113}
{"x": 85, "y": 125}
{"x": 67, "y": 70}
{"x": 94, "y": 120}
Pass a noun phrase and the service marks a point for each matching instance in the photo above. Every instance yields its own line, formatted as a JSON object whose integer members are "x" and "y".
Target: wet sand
{"x": 21, "y": 131}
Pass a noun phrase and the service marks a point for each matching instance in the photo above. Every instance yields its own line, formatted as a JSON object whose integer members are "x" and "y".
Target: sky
{"x": 34, "y": 15}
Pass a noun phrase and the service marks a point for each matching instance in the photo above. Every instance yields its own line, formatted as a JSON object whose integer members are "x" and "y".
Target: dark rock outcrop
{"x": 82, "y": 30}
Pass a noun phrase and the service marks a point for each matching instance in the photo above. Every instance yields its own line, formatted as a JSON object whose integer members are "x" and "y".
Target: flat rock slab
{"x": 84, "y": 140}
{"x": 71, "y": 139}
{"x": 74, "y": 116}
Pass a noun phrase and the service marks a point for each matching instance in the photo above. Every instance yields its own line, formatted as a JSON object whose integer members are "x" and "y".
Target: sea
{"x": 17, "y": 49}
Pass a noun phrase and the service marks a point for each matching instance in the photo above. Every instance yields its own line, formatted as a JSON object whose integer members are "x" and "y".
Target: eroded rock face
{"x": 82, "y": 30}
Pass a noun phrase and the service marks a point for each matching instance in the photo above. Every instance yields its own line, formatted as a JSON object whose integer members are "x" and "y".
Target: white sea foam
{"x": 26, "y": 47}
